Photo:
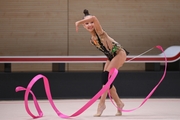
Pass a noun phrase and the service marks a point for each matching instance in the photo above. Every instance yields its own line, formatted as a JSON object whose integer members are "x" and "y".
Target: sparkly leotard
{"x": 109, "y": 53}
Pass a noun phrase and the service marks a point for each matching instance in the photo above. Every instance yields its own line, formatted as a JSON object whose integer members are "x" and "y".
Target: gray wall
{"x": 46, "y": 27}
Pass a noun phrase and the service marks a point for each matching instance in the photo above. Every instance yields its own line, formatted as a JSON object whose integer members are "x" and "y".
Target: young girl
{"x": 115, "y": 53}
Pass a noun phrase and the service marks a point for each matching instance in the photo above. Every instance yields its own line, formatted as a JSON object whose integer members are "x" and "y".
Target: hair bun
{"x": 86, "y": 12}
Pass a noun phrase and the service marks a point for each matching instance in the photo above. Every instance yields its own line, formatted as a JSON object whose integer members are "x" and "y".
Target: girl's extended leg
{"x": 101, "y": 105}
{"x": 117, "y": 62}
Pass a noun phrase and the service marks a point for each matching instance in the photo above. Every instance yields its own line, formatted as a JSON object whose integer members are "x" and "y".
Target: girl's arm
{"x": 93, "y": 19}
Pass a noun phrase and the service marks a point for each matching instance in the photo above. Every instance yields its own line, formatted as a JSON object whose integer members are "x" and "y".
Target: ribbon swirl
{"x": 112, "y": 75}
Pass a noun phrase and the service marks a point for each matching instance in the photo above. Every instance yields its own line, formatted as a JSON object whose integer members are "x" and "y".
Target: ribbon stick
{"x": 152, "y": 91}
{"x": 113, "y": 73}
{"x": 140, "y": 54}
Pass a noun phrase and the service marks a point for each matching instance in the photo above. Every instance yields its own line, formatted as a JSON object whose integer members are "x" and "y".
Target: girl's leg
{"x": 117, "y": 62}
{"x": 101, "y": 105}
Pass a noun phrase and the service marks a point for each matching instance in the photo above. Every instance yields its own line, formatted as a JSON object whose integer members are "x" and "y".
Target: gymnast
{"x": 116, "y": 56}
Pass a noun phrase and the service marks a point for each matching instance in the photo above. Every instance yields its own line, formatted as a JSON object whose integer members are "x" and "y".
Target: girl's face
{"x": 89, "y": 26}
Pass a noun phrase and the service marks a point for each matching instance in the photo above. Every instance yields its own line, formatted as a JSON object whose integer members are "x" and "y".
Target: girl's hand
{"x": 76, "y": 24}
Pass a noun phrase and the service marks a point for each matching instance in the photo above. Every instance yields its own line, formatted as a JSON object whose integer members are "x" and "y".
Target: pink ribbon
{"x": 112, "y": 75}
{"x": 152, "y": 91}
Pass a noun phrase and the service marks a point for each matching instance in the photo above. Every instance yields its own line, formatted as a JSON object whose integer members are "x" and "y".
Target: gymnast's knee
{"x": 105, "y": 78}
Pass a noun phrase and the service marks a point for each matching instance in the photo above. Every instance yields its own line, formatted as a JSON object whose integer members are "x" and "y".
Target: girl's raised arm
{"x": 90, "y": 18}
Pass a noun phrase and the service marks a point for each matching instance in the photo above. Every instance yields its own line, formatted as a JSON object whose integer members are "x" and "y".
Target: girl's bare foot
{"x": 100, "y": 110}
{"x": 119, "y": 112}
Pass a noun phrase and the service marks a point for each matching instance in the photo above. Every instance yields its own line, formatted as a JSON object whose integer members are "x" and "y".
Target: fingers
{"x": 77, "y": 25}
